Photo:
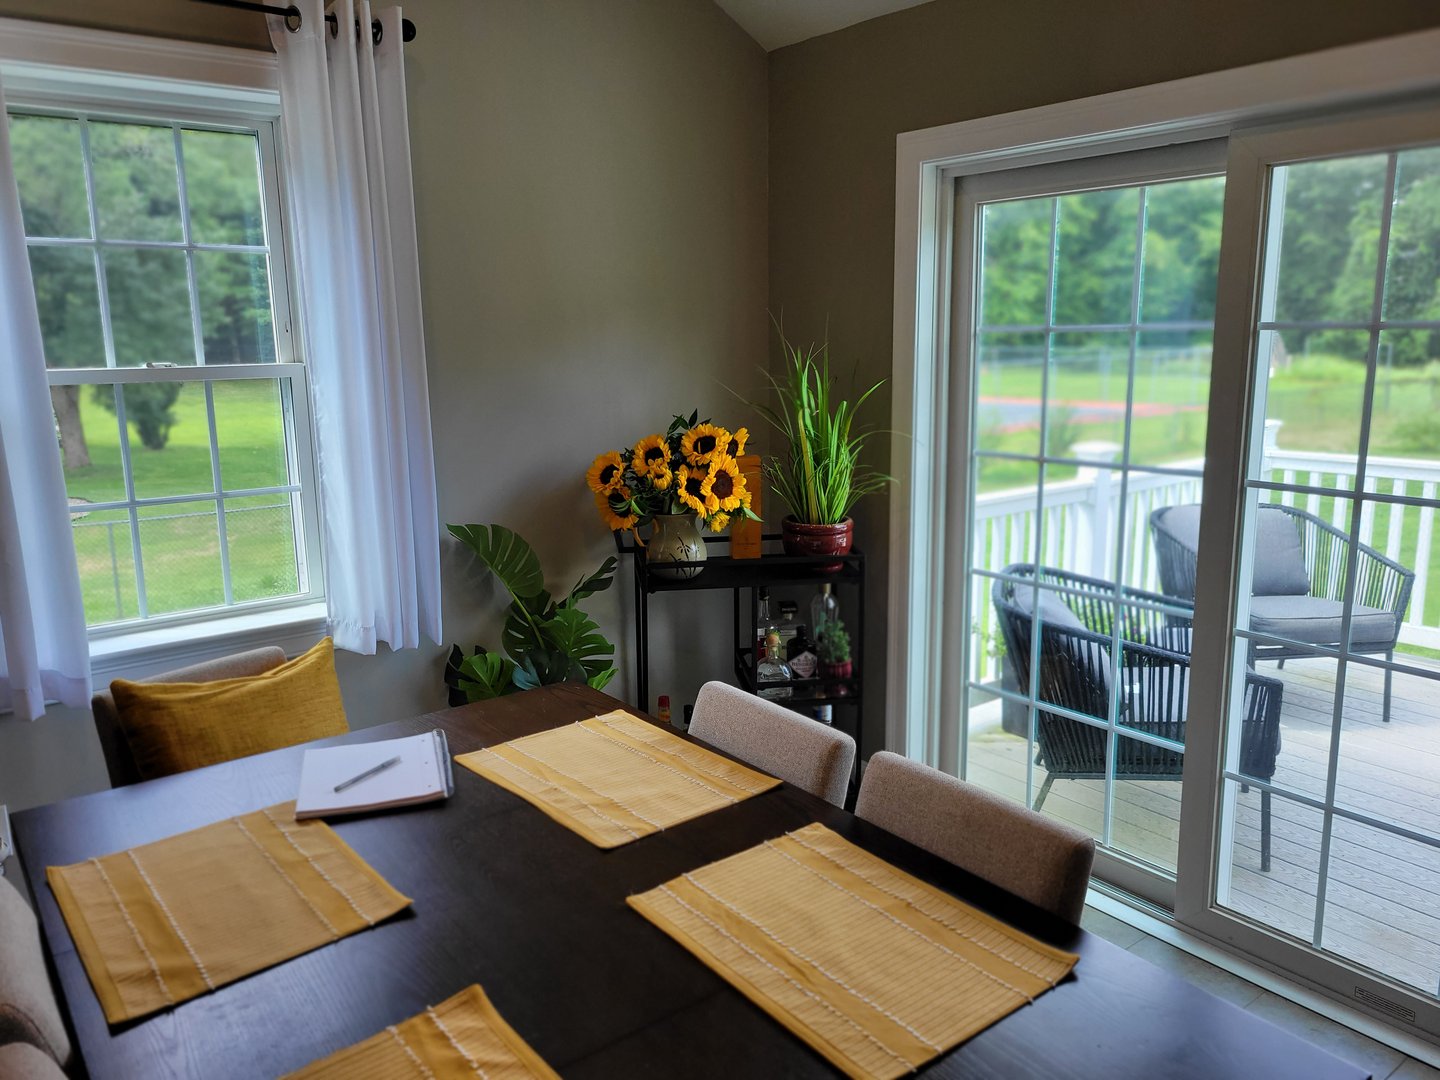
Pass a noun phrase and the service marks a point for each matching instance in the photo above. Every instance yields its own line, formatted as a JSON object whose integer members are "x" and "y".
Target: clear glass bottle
{"x": 787, "y": 626}
{"x": 773, "y": 676}
{"x": 823, "y": 608}
{"x": 764, "y": 624}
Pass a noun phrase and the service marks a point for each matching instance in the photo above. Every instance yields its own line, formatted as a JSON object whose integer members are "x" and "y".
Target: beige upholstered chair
{"x": 118, "y": 759}
{"x": 21, "y": 1061}
{"x": 1037, "y": 858}
{"x": 28, "y": 1010}
{"x": 803, "y": 752}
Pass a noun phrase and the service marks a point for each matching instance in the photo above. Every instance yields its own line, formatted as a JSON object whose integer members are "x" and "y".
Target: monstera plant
{"x": 545, "y": 641}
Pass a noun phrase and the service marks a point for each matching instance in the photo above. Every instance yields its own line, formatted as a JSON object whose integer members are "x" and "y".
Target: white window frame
{"x": 931, "y": 401}
{"x": 110, "y": 75}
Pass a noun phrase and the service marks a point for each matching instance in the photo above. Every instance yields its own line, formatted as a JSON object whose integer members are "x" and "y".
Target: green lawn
{"x": 181, "y": 541}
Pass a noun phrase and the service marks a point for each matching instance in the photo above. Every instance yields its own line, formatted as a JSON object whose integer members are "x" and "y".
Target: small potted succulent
{"x": 832, "y": 646}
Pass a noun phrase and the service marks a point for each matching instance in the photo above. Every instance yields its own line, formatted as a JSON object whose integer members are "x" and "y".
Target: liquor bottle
{"x": 773, "y": 675}
{"x": 800, "y": 653}
{"x": 823, "y": 608}
{"x": 662, "y": 712}
{"x": 787, "y": 624}
{"x": 764, "y": 623}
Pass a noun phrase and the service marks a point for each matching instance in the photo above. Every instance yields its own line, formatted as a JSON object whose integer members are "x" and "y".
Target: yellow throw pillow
{"x": 173, "y": 727}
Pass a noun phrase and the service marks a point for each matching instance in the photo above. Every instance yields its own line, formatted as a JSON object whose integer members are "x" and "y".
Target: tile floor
{"x": 1383, "y": 1062}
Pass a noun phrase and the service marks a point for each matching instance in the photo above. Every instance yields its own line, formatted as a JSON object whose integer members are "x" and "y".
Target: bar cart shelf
{"x": 772, "y": 568}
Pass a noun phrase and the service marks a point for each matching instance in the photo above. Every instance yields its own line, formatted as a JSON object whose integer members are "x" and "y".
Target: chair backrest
{"x": 1279, "y": 560}
{"x": 811, "y": 755}
{"x": 118, "y": 759}
{"x": 28, "y": 1010}
{"x": 21, "y": 1061}
{"x": 1037, "y": 858}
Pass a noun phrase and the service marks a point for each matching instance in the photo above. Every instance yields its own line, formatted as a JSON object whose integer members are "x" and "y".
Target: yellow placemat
{"x": 163, "y": 923}
{"x": 461, "y": 1037}
{"x": 615, "y": 778}
{"x": 875, "y": 969}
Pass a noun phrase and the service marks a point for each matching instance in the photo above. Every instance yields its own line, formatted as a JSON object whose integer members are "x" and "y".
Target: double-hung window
{"x": 181, "y": 413}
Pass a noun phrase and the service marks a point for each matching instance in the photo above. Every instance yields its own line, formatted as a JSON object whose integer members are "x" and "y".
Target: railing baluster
{"x": 1422, "y": 557}
{"x": 1393, "y": 537}
{"x": 1367, "y": 514}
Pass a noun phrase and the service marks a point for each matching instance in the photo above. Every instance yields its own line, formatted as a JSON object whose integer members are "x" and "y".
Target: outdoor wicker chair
{"x": 1075, "y": 644}
{"x": 1297, "y": 584}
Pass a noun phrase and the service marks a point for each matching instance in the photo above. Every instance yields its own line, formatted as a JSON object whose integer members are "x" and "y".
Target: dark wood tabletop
{"x": 508, "y": 898}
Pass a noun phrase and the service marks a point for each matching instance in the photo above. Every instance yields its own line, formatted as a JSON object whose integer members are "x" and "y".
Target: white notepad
{"x": 421, "y": 775}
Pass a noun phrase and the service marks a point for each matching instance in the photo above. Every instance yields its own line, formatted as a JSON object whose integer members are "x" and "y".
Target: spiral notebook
{"x": 421, "y": 775}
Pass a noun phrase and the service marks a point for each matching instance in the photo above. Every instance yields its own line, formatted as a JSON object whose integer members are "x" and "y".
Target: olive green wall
{"x": 590, "y": 196}
{"x": 838, "y": 102}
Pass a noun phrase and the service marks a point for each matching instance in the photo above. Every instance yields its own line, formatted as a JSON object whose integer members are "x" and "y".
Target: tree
{"x": 65, "y": 400}
{"x": 148, "y": 406}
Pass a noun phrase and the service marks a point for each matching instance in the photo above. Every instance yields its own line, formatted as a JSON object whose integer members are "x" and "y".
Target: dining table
{"x": 506, "y": 897}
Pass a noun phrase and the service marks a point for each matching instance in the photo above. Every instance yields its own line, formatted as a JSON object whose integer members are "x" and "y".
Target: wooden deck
{"x": 1381, "y": 908}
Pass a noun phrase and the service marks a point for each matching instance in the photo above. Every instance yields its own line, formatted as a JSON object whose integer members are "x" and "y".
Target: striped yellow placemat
{"x": 165, "y": 922}
{"x": 875, "y": 969}
{"x": 615, "y": 778}
{"x": 463, "y": 1036}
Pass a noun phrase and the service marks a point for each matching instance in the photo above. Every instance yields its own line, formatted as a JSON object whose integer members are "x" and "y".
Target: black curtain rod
{"x": 407, "y": 28}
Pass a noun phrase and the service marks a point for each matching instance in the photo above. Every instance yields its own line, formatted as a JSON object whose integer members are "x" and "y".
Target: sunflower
{"x": 719, "y": 523}
{"x": 661, "y": 477}
{"x": 617, "y": 518}
{"x": 652, "y": 456}
{"x": 724, "y": 484}
{"x": 694, "y": 491}
{"x": 702, "y": 442}
{"x": 606, "y": 474}
{"x": 737, "y": 442}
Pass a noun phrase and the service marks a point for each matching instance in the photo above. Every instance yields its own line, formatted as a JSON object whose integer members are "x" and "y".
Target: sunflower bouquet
{"x": 690, "y": 469}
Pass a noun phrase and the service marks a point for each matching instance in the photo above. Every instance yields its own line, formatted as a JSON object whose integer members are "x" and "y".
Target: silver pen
{"x": 366, "y": 774}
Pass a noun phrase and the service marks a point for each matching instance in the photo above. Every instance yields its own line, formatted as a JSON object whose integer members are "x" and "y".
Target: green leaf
{"x": 486, "y": 675}
{"x": 507, "y": 555}
{"x": 599, "y": 581}
{"x": 522, "y": 629}
{"x": 544, "y": 667}
{"x": 576, "y": 635}
{"x": 599, "y": 682}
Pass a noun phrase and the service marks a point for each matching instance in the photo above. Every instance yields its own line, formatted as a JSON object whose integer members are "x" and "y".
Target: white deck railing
{"x": 1079, "y": 519}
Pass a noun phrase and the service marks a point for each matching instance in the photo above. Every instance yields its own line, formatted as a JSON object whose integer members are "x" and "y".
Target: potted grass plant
{"x": 819, "y": 475}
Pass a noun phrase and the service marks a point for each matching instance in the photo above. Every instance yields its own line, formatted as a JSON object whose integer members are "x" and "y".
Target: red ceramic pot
{"x": 835, "y": 676}
{"x": 802, "y": 539}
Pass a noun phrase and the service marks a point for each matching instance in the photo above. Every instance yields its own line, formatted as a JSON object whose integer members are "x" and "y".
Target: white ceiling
{"x": 776, "y": 23}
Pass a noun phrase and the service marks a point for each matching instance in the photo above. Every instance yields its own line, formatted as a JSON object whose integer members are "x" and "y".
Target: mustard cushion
{"x": 173, "y": 727}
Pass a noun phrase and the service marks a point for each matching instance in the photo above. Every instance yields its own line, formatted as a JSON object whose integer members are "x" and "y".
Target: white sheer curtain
{"x": 347, "y": 150}
{"x": 44, "y": 651}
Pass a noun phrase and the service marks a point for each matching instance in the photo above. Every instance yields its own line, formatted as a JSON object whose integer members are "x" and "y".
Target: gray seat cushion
{"x": 1088, "y": 656}
{"x": 1053, "y": 609}
{"x": 1279, "y": 562}
{"x": 1316, "y": 621}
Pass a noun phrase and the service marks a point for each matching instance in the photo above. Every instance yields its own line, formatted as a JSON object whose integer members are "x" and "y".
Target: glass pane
{"x": 1284, "y": 895}
{"x": 106, "y": 560}
{"x": 137, "y": 193}
{"x": 1089, "y": 382}
{"x": 68, "y": 300}
{"x": 998, "y": 747}
{"x": 169, "y": 439}
{"x": 89, "y": 437}
{"x": 1388, "y": 769}
{"x": 234, "y": 291}
{"x": 1329, "y": 249}
{"x": 1146, "y": 819}
{"x": 260, "y": 535}
{"x": 1095, "y": 272}
{"x": 1004, "y": 527}
{"x": 1314, "y": 389}
{"x": 222, "y": 185}
{"x": 1009, "y": 374}
{"x": 1405, "y": 416}
{"x": 1182, "y": 250}
{"x": 149, "y": 307}
{"x": 1016, "y": 245}
{"x": 1380, "y": 903}
{"x": 180, "y": 545}
{"x": 250, "y": 430}
{"x": 1171, "y": 398}
{"x": 1412, "y": 265}
{"x": 50, "y": 172}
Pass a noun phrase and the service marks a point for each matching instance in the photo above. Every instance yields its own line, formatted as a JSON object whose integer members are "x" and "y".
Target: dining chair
{"x": 119, "y": 760}
{"x": 1037, "y": 858}
{"x": 21, "y": 1061}
{"x": 811, "y": 755}
{"x": 29, "y": 1012}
